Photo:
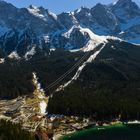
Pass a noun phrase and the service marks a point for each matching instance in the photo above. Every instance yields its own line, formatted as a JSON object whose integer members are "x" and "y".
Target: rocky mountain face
{"x": 128, "y": 14}
{"x": 22, "y": 29}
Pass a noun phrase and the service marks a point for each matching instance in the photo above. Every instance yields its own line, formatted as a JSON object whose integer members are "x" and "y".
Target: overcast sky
{"x": 58, "y": 6}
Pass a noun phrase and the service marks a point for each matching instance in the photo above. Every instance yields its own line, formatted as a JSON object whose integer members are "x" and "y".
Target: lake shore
{"x": 116, "y": 130}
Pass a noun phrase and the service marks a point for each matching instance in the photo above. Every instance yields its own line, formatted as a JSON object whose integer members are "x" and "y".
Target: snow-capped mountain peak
{"x": 14, "y": 55}
{"x": 73, "y": 30}
{"x": 96, "y": 40}
{"x": 36, "y": 11}
{"x": 126, "y": 9}
{"x": 126, "y": 3}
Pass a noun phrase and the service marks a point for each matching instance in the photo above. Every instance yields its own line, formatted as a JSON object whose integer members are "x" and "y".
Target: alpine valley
{"x": 84, "y": 63}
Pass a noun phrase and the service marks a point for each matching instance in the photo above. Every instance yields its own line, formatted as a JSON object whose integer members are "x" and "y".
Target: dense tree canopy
{"x": 9, "y": 131}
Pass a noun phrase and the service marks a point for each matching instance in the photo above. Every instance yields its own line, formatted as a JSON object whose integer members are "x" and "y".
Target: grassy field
{"x": 114, "y": 132}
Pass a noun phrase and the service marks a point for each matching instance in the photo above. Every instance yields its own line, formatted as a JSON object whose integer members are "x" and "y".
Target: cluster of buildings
{"x": 30, "y": 112}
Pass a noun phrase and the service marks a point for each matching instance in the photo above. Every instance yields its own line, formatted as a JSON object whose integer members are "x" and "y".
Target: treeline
{"x": 9, "y": 131}
{"x": 16, "y": 75}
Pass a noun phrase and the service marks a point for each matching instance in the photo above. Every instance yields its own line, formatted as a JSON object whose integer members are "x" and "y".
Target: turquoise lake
{"x": 114, "y": 132}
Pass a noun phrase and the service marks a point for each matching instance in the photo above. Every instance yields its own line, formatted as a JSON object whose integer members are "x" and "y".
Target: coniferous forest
{"x": 10, "y": 131}
{"x": 106, "y": 88}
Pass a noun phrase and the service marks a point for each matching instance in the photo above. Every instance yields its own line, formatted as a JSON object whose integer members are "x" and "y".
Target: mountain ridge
{"x": 37, "y": 25}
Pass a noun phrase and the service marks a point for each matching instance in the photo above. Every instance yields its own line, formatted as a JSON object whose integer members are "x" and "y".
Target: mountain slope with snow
{"x": 23, "y": 28}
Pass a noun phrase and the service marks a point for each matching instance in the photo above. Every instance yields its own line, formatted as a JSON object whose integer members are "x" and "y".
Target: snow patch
{"x": 46, "y": 38}
{"x": 40, "y": 95}
{"x": 30, "y": 53}
{"x": 14, "y": 55}
{"x": 43, "y": 106}
{"x": 122, "y": 32}
{"x": 67, "y": 34}
{"x": 53, "y": 15}
{"x": 134, "y": 122}
{"x": 75, "y": 50}
{"x": 52, "y": 49}
{"x": 114, "y": 3}
{"x": 95, "y": 40}
{"x": 113, "y": 47}
{"x": 2, "y": 60}
{"x": 78, "y": 10}
{"x": 36, "y": 12}
{"x": 80, "y": 69}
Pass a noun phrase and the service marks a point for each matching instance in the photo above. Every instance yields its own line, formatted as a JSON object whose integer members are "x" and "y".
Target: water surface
{"x": 114, "y": 132}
